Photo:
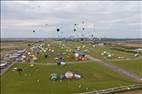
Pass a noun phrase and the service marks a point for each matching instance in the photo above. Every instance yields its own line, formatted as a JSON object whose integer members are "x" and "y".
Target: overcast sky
{"x": 113, "y": 19}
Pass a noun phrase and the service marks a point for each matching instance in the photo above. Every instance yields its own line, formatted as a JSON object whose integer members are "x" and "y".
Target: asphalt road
{"x": 2, "y": 71}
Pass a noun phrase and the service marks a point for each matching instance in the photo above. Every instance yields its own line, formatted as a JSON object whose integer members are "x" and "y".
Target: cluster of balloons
{"x": 75, "y": 29}
{"x": 68, "y": 75}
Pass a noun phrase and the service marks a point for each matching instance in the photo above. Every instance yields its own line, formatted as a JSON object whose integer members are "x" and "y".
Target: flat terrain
{"x": 134, "y": 66}
{"x": 11, "y": 47}
{"x": 36, "y": 79}
{"x": 93, "y": 77}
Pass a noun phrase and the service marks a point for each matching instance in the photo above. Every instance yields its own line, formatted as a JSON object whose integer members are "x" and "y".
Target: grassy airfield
{"x": 134, "y": 66}
{"x": 36, "y": 79}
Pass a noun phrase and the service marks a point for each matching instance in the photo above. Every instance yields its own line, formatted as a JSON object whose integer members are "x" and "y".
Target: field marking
{"x": 116, "y": 69}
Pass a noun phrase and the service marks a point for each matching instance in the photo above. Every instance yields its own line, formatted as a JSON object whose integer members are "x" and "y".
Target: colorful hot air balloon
{"x": 69, "y": 75}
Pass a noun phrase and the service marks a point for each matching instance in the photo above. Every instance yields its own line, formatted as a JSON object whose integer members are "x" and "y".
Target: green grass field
{"x": 94, "y": 76}
{"x": 134, "y": 66}
{"x": 57, "y": 47}
{"x": 97, "y": 50}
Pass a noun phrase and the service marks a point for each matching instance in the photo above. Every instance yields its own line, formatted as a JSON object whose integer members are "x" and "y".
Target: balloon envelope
{"x": 58, "y": 29}
{"x": 69, "y": 75}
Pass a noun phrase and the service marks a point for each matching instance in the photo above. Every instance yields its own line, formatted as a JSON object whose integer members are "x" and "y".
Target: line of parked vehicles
{"x": 9, "y": 58}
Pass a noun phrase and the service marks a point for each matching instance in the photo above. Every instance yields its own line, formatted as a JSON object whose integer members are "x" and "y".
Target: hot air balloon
{"x": 92, "y": 35}
{"x": 75, "y": 24}
{"x": 33, "y": 30}
{"x": 81, "y": 39}
{"x": 83, "y": 28}
{"x": 74, "y": 29}
{"x": 58, "y": 29}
